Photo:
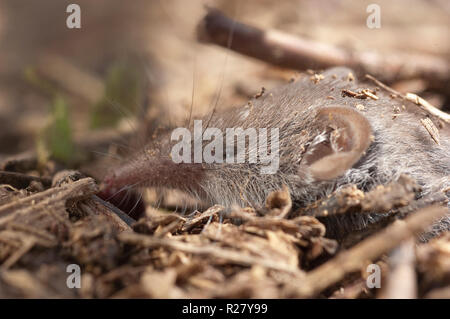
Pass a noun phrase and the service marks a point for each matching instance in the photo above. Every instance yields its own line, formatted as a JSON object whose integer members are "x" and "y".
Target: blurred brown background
{"x": 156, "y": 39}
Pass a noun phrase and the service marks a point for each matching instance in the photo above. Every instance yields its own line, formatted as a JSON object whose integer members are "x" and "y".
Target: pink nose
{"x": 106, "y": 188}
{"x": 127, "y": 200}
{"x": 108, "y": 180}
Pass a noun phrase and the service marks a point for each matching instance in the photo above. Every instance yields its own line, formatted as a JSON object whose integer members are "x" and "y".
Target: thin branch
{"x": 76, "y": 190}
{"x": 212, "y": 251}
{"x": 294, "y": 52}
{"x": 353, "y": 259}
{"x": 422, "y": 103}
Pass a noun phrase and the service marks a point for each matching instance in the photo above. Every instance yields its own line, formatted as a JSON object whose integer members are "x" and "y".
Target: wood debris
{"x": 370, "y": 94}
{"x": 316, "y": 78}
{"x": 174, "y": 246}
{"x": 350, "y": 199}
{"x": 299, "y": 53}
{"x": 260, "y": 93}
{"x": 370, "y": 248}
{"x": 269, "y": 252}
{"x": 425, "y": 105}
{"x": 431, "y": 128}
{"x": 350, "y": 77}
{"x": 362, "y": 94}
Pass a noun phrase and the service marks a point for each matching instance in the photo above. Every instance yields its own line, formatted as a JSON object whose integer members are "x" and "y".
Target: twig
{"x": 173, "y": 226}
{"x": 270, "y": 46}
{"x": 205, "y": 215}
{"x": 301, "y": 225}
{"x": 401, "y": 281}
{"x": 29, "y": 229}
{"x": 425, "y": 105}
{"x": 212, "y": 251}
{"x": 27, "y": 244}
{"x": 76, "y": 190}
{"x": 351, "y": 260}
{"x": 298, "y": 53}
{"x": 384, "y": 86}
{"x": 279, "y": 203}
{"x": 350, "y": 199}
{"x": 431, "y": 129}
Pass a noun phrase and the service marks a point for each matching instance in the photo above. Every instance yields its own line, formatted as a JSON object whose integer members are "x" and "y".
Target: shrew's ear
{"x": 348, "y": 135}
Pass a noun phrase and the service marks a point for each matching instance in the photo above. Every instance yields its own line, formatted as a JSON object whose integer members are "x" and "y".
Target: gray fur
{"x": 400, "y": 146}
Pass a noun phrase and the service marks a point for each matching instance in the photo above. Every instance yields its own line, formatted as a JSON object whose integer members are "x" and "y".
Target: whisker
{"x": 125, "y": 198}
{"x": 126, "y": 115}
{"x": 193, "y": 90}
{"x": 207, "y": 223}
{"x": 124, "y": 188}
{"x": 219, "y": 229}
{"x": 137, "y": 202}
{"x": 219, "y": 93}
{"x": 123, "y": 145}
{"x": 159, "y": 201}
{"x": 107, "y": 154}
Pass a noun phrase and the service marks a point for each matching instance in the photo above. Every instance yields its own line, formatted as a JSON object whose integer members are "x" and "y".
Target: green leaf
{"x": 56, "y": 139}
